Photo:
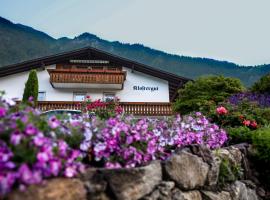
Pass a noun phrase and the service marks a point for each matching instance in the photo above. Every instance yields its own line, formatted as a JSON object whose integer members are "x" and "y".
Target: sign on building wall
{"x": 145, "y": 88}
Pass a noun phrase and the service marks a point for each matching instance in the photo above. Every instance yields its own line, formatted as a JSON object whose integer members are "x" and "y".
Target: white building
{"x": 65, "y": 79}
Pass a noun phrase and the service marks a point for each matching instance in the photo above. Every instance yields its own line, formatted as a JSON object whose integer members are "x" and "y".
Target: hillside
{"x": 19, "y": 43}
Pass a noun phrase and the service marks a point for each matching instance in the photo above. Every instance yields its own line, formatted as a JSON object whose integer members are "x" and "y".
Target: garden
{"x": 214, "y": 112}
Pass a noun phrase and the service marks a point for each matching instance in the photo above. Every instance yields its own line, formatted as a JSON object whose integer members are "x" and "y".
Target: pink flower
{"x": 253, "y": 124}
{"x": 222, "y": 110}
{"x": 246, "y": 122}
{"x": 118, "y": 109}
{"x": 70, "y": 171}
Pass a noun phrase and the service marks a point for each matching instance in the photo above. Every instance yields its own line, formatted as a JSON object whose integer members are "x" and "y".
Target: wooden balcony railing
{"x": 87, "y": 76}
{"x": 135, "y": 108}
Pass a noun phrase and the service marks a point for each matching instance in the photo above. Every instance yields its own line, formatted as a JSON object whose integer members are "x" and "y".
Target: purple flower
{"x": 30, "y": 129}
{"x": 6, "y": 182}
{"x": 30, "y": 99}
{"x": 40, "y": 140}
{"x": 62, "y": 147}
{"x": 74, "y": 155}
{"x": 5, "y": 154}
{"x": 43, "y": 156}
{"x": 111, "y": 165}
{"x": 55, "y": 167}
{"x": 25, "y": 174}
{"x": 3, "y": 112}
{"x": 16, "y": 137}
{"x": 84, "y": 146}
{"x": 54, "y": 122}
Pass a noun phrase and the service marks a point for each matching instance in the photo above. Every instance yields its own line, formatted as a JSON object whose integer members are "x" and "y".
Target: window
{"x": 107, "y": 97}
{"x": 79, "y": 96}
{"x": 41, "y": 96}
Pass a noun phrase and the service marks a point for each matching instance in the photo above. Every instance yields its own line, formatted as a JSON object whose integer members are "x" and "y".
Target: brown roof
{"x": 175, "y": 81}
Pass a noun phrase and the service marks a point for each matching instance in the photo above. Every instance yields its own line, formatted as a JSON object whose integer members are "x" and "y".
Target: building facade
{"x": 67, "y": 78}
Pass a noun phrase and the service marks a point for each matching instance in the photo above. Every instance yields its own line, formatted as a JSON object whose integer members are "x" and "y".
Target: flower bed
{"x": 262, "y": 100}
{"x": 33, "y": 148}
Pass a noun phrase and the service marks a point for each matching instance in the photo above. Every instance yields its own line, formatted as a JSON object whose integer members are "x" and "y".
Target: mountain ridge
{"x": 20, "y": 43}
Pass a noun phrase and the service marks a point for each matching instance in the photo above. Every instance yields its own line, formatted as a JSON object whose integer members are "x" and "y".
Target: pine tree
{"x": 31, "y": 87}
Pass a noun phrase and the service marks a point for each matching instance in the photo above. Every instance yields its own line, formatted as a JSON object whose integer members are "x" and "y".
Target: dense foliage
{"x": 205, "y": 92}
{"x": 262, "y": 85}
{"x": 31, "y": 87}
{"x": 20, "y": 43}
{"x": 261, "y": 141}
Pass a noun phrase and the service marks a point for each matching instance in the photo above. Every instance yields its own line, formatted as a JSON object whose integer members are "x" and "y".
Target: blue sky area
{"x": 233, "y": 30}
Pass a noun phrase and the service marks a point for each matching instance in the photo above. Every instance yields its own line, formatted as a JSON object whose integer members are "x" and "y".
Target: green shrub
{"x": 31, "y": 87}
{"x": 261, "y": 142}
{"x": 205, "y": 92}
{"x": 261, "y": 158}
{"x": 239, "y": 134}
{"x": 262, "y": 85}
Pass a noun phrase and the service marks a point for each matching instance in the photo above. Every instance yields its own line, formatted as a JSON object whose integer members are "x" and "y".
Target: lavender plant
{"x": 262, "y": 100}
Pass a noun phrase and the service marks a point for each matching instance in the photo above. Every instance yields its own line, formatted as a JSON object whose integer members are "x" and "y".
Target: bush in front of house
{"x": 205, "y": 92}
{"x": 31, "y": 87}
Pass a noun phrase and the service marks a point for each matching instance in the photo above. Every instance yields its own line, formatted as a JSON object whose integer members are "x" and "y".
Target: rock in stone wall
{"x": 190, "y": 174}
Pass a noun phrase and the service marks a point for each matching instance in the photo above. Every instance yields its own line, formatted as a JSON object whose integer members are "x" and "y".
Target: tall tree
{"x": 31, "y": 87}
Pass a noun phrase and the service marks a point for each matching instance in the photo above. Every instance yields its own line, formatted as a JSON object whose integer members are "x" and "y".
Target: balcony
{"x": 87, "y": 79}
{"x": 134, "y": 108}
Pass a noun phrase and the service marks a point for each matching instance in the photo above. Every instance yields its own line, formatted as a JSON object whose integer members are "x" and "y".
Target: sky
{"x": 233, "y": 30}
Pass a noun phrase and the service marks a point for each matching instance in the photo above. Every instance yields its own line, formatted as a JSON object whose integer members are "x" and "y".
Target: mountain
{"x": 20, "y": 43}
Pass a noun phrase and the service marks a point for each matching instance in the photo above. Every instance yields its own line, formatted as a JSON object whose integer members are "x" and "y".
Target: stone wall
{"x": 193, "y": 173}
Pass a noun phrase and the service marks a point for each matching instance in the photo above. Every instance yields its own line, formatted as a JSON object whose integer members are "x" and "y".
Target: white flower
{"x": 10, "y": 102}
{"x": 88, "y": 134}
{"x": 84, "y": 146}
